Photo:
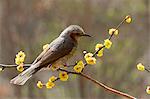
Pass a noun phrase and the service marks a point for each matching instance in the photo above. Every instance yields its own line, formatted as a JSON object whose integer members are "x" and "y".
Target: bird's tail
{"x": 25, "y": 75}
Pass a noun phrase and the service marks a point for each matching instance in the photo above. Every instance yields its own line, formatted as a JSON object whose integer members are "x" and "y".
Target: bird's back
{"x": 59, "y": 48}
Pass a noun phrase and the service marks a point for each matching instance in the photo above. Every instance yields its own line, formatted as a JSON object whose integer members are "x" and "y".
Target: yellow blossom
{"x": 20, "y": 68}
{"x": 112, "y": 30}
{"x": 98, "y": 46}
{"x": 63, "y": 76}
{"x": 1, "y": 69}
{"x": 140, "y": 67}
{"x": 20, "y": 57}
{"x": 91, "y": 60}
{"x": 19, "y": 60}
{"x": 78, "y": 68}
{"x": 148, "y": 89}
{"x": 128, "y": 19}
{"x": 107, "y": 43}
{"x": 50, "y": 85}
{"x": 21, "y": 54}
{"x": 87, "y": 55}
{"x": 80, "y": 63}
{"x": 100, "y": 53}
{"x": 53, "y": 78}
{"x": 40, "y": 84}
{"x": 46, "y": 46}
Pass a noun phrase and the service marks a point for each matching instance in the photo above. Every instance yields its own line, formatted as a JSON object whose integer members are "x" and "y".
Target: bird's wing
{"x": 57, "y": 49}
{"x": 41, "y": 55}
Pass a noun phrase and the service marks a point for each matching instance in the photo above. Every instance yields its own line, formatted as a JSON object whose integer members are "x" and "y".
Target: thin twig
{"x": 69, "y": 72}
{"x": 147, "y": 70}
{"x": 13, "y": 66}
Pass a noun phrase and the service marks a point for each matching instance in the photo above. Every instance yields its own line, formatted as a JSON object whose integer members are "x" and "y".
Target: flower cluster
{"x": 100, "y": 52}
{"x": 113, "y": 31}
{"x": 50, "y": 84}
{"x": 20, "y": 57}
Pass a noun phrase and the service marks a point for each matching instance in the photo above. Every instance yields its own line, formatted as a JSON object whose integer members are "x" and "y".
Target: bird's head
{"x": 75, "y": 32}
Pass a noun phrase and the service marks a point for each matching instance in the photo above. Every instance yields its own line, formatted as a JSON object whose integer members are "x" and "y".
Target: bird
{"x": 58, "y": 52}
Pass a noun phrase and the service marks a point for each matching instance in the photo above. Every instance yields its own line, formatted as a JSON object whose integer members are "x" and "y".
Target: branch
{"x": 100, "y": 84}
{"x": 147, "y": 70}
{"x": 106, "y": 87}
{"x": 3, "y": 66}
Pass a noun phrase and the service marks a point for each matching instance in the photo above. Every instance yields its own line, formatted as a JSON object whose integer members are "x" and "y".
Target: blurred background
{"x": 29, "y": 24}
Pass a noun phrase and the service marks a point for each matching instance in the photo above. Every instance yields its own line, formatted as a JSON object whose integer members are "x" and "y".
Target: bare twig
{"x": 107, "y": 88}
{"x": 13, "y": 66}
{"x": 147, "y": 70}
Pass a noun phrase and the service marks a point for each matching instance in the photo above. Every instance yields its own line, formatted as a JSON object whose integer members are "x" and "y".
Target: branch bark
{"x": 112, "y": 90}
{"x": 106, "y": 87}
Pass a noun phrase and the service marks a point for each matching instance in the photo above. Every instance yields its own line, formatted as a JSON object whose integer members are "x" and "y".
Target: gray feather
{"x": 25, "y": 75}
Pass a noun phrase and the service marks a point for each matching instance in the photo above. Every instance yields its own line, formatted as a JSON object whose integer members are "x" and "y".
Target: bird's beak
{"x": 86, "y": 35}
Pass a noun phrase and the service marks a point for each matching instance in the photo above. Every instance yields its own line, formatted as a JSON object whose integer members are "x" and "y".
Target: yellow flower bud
{"x": 17, "y": 61}
{"x": 50, "y": 85}
{"x": 21, "y": 54}
{"x": 128, "y": 19}
{"x": 78, "y": 68}
{"x": 112, "y": 30}
{"x": 40, "y": 84}
{"x": 148, "y": 89}
{"x": 53, "y": 78}
{"x": 20, "y": 68}
{"x": 20, "y": 57}
{"x": 98, "y": 46}
{"x": 1, "y": 69}
{"x": 100, "y": 53}
{"x": 63, "y": 76}
{"x": 140, "y": 67}
{"x": 107, "y": 43}
{"x": 87, "y": 55}
{"x": 80, "y": 63}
